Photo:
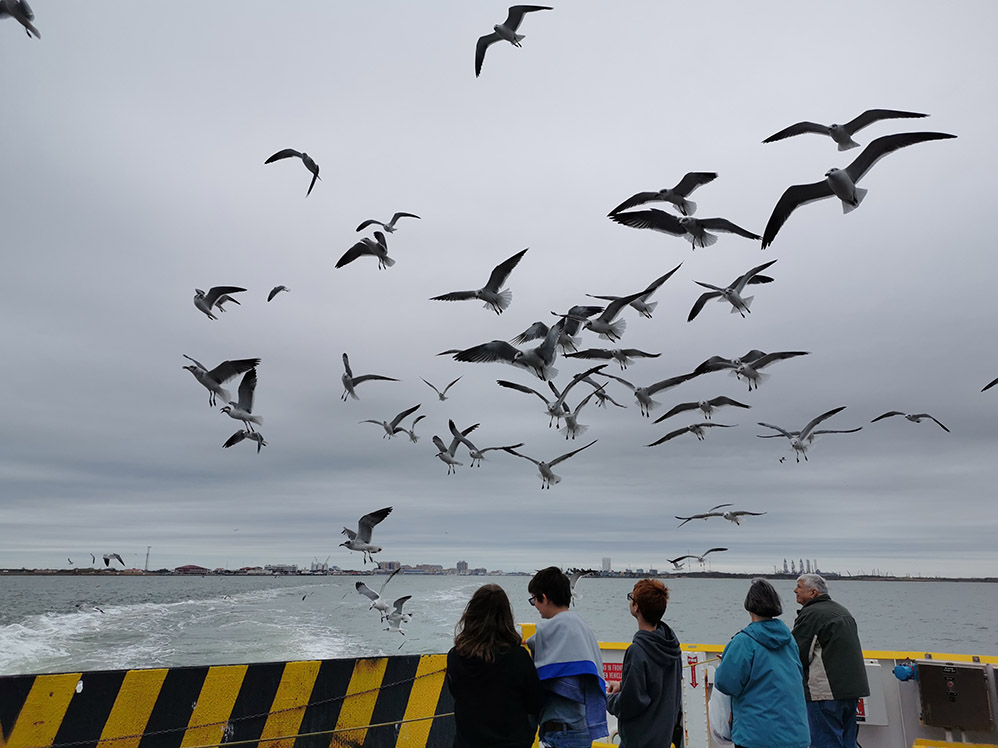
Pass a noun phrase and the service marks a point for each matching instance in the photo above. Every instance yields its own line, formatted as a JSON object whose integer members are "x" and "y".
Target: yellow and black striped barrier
{"x": 361, "y": 703}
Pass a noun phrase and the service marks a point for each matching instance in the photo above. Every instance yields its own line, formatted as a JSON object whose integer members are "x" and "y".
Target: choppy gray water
{"x": 171, "y": 621}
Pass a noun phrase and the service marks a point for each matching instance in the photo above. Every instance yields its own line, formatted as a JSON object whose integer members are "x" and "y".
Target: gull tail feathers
{"x": 850, "y": 207}
{"x": 848, "y": 145}
{"x": 687, "y": 207}
{"x": 747, "y": 301}
{"x": 649, "y": 308}
{"x": 518, "y": 38}
{"x": 503, "y": 300}
{"x": 707, "y": 240}
{"x": 616, "y": 330}
{"x": 570, "y": 433}
{"x": 388, "y": 262}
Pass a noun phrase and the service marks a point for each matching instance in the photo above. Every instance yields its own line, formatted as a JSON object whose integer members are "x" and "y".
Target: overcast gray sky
{"x": 133, "y": 171}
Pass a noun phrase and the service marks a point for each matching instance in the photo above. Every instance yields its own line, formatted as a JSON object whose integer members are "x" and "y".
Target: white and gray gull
{"x": 548, "y": 478}
{"x": 676, "y": 195}
{"x": 495, "y": 297}
{"x": 392, "y": 427}
{"x": 377, "y": 599}
{"x": 243, "y": 409}
{"x": 913, "y": 417}
{"x": 695, "y": 230}
{"x": 350, "y": 382}
{"x": 244, "y": 434}
{"x": 376, "y": 247}
{"x": 361, "y": 540}
{"x": 842, "y": 134}
{"x": 388, "y": 227}
{"x": 305, "y": 159}
{"x": 733, "y": 292}
{"x": 213, "y": 379}
{"x": 802, "y": 440}
{"x": 706, "y": 406}
{"x": 216, "y": 296}
{"x": 641, "y": 304}
{"x": 505, "y": 31}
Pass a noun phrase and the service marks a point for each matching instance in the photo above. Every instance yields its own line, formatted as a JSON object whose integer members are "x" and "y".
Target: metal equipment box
{"x": 955, "y": 696}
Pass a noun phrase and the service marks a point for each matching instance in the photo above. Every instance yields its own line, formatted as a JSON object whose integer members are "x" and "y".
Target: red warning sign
{"x": 613, "y": 670}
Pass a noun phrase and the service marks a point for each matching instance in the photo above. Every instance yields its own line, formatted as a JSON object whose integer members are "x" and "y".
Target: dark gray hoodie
{"x": 651, "y": 691}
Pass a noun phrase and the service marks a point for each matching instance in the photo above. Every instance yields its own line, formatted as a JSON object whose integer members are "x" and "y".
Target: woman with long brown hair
{"x": 497, "y": 694}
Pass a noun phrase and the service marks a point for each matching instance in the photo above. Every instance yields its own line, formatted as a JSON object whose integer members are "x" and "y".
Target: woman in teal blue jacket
{"x": 761, "y": 671}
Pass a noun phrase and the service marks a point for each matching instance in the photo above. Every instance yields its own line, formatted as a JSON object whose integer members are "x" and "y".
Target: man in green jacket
{"x": 834, "y": 671}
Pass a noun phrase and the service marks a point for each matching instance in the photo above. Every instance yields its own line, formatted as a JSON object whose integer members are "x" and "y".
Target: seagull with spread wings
{"x": 361, "y": 539}
{"x": 215, "y": 297}
{"x": 276, "y": 290}
{"x": 305, "y": 159}
{"x": 574, "y": 575}
{"x": 377, "y": 599}
{"x": 712, "y": 512}
{"x": 441, "y": 394}
{"x": 539, "y": 360}
{"x": 841, "y": 183}
{"x": 695, "y": 230}
{"x": 706, "y": 406}
{"x": 606, "y": 325}
{"x": 495, "y": 299}
{"x": 388, "y": 227}
{"x": 733, "y": 292}
{"x": 643, "y": 395}
{"x": 641, "y": 304}
{"x": 554, "y": 409}
{"x": 699, "y": 430}
{"x": 447, "y": 454}
{"x": 505, "y": 31}
{"x": 701, "y": 558}
{"x": 842, "y": 134}
{"x": 676, "y": 195}
{"x": 244, "y": 434}
{"x": 243, "y": 409}
{"x": 802, "y": 440}
{"x": 214, "y": 379}
{"x": 477, "y": 455}
{"x": 350, "y": 382}
{"x": 913, "y": 417}
{"x": 376, "y": 247}
{"x": 109, "y": 556}
{"x": 623, "y": 356}
{"x": 411, "y": 431}
{"x": 392, "y": 427}
{"x": 748, "y": 366}
{"x": 396, "y": 617}
{"x": 569, "y": 326}
{"x": 548, "y": 478}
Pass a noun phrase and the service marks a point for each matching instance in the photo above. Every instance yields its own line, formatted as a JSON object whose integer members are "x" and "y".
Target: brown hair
{"x": 651, "y": 597}
{"x": 553, "y": 585}
{"x": 763, "y": 599}
{"x": 486, "y": 627}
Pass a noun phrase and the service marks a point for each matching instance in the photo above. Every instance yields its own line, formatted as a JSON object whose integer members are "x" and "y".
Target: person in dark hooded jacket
{"x": 648, "y": 700}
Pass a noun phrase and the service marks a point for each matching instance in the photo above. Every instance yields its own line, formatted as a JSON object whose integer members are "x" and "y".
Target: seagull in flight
{"x": 707, "y": 406}
{"x": 572, "y": 427}
{"x": 495, "y": 299}
{"x": 477, "y": 455}
{"x": 803, "y": 439}
{"x": 748, "y": 366}
{"x": 695, "y": 230}
{"x": 109, "y": 556}
{"x": 442, "y": 394}
{"x": 276, "y": 290}
{"x": 697, "y": 429}
{"x": 305, "y": 159}
{"x": 570, "y": 324}
{"x": 643, "y": 395}
{"x": 243, "y": 410}
{"x": 388, "y": 227}
{"x": 244, "y": 434}
{"x": 641, "y": 304}
{"x": 396, "y": 617}
{"x": 841, "y": 183}
{"x": 538, "y": 360}
{"x": 604, "y": 325}
{"x": 392, "y": 427}
{"x": 505, "y": 31}
{"x": 989, "y": 385}
{"x": 701, "y": 558}
{"x": 215, "y": 378}
{"x": 712, "y": 512}
{"x": 733, "y": 292}
{"x": 913, "y": 417}
{"x": 378, "y": 602}
{"x": 574, "y": 575}
{"x": 548, "y": 478}
{"x": 623, "y": 356}
{"x": 448, "y": 454}
{"x": 21, "y": 12}
{"x": 842, "y": 134}
{"x": 555, "y": 409}
{"x": 214, "y": 298}
{"x": 361, "y": 540}
{"x": 411, "y": 431}
{"x": 676, "y": 195}
{"x": 376, "y": 247}
{"x": 350, "y": 382}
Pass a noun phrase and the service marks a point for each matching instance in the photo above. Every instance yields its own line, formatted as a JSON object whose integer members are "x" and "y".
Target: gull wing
{"x": 671, "y": 382}
{"x": 667, "y": 437}
{"x": 794, "y": 196}
{"x": 234, "y": 439}
{"x": 723, "y": 224}
{"x": 346, "y": 366}
{"x": 399, "y": 215}
{"x": 522, "y": 388}
{"x": 700, "y": 303}
{"x": 805, "y": 432}
{"x": 743, "y": 513}
{"x": 494, "y": 350}
{"x": 229, "y": 369}
{"x": 680, "y": 558}
{"x": 385, "y": 583}
{"x": 681, "y": 408}
{"x": 713, "y": 550}
{"x": 743, "y": 280}
{"x": 513, "y": 451}
{"x": 654, "y": 219}
{"x": 783, "y": 431}
{"x": 366, "y": 524}
{"x": 614, "y": 307}
{"x": 400, "y": 602}
{"x": 880, "y": 147}
{"x": 369, "y": 222}
{"x": 483, "y": 44}
{"x": 315, "y": 176}
{"x": 654, "y": 285}
{"x": 535, "y": 331}
{"x": 366, "y": 591}
{"x": 216, "y": 291}
{"x": 501, "y": 271}
{"x": 371, "y": 377}
{"x": 454, "y": 296}
{"x": 450, "y": 385}
{"x": 932, "y": 418}
{"x": 202, "y": 366}
{"x": 459, "y": 437}
{"x": 247, "y": 387}
{"x": 515, "y": 16}
{"x": 359, "y": 249}
{"x": 404, "y": 414}
{"x": 592, "y": 353}
{"x": 874, "y": 115}
{"x": 719, "y": 506}
{"x": 639, "y": 198}
{"x": 714, "y": 363}
{"x": 286, "y": 153}
{"x": 349, "y": 533}
{"x": 439, "y": 444}
{"x": 273, "y": 292}
{"x": 887, "y": 415}
{"x": 769, "y": 358}
{"x": 986, "y": 387}
{"x": 692, "y": 180}
{"x": 798, "y": 129}
{"x": 574, "y": 452}
{"x": 619, "y": 379}
{"x": 724, "y": 400}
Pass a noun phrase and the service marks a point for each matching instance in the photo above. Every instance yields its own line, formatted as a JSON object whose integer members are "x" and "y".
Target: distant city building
{"x": 606, "y": 563}
{"x": 785, "y": 569}
{"x": 391, "y": 565}
{"x": 480, "y": 571}
{"x": 281, "y": 568}
{"x": 191, "y": 569}
{"x": 462, "y": 567}
{"x": 430, "y": 568}
{"x": 808, "y": 565}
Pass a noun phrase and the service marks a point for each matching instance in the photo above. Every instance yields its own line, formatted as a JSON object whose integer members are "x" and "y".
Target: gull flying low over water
{"x": 733, "y": 292}
{"x": 276, "y": 290}
{"x": 21, "y": 12}
{"x": 495, "y": 299}
{"x": 244, "y": 434}
{"x": 388, "y": 227}
{"x": 376, "y": 247}
{"x": 442, "y": 394}
{"x": 913, "y": 417}
{"x": 448, "y": 454}
{"x": 377, "y": 599}
{"x": 643, "y": 395}
{"x": 697, "y": 429}
{"x": 392, "y": 427}
{"x": 695, "y": 230}
{"x": 243, "y": 410}
{"x": 539, "y": 360}
{"x": 477, "y": 455}
{"x": 623, "y": 356}
{"x": 396, "y": 617}
{"x": 305, "y": 159}
{"x": 350, "y": 382}
{"x": 109, "y": 556}
{"x": 676, "y": 195}
{"x": 548, "y": 478}
{"x": 707, "y": 406}
{"x": 574, "y": 575}
{"x": 505, "y": 31}
{"x": 641, "y": 304}
{"x": 748, "y": 366}
{"x": 214, "y": 298}
{"x": 842, "y": 134}
{"x": 701, "y": 558}
{"x": 215, "y": 378}
{"x": 802, "y": 440}
{"x": 841, "y": 183}
{"x": 361, "y": 540}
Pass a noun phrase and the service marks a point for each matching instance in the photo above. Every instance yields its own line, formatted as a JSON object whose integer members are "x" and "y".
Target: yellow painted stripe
{"x": 423, "y": 699}
{"x": 923, "y": 743}
{"x": 132, "y": 708}
{"x": 214, "y": 705}
{"x": 358, "y": 706}
{"x": 43, "y": 710}
{"x": 292, "y": 695}
{"x": 876, "y": 654}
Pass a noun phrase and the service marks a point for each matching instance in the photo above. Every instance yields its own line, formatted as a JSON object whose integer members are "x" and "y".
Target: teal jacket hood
{"x": 772, "y": 634}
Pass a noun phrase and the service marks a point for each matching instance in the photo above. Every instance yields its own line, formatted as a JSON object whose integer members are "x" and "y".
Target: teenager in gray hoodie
{"x": 648, "y": 699}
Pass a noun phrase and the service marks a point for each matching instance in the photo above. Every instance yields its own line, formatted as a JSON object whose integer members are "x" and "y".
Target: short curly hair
{"x": 652, "y": 598}
{"x": 763, "y": 599}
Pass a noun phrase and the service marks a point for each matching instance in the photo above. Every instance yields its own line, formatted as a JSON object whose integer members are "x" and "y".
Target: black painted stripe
{"x": 88, "y": 711}
{"x": 325, "y": 702}
{"x": 13, "y": 692}
{"x": 249, "y": 713}
{"x": 174, "y": 707}
{"x": 392, "y": 700}
{"x": 443, "y": 730}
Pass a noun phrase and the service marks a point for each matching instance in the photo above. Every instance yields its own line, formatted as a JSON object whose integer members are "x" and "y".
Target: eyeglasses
{"x": 630, "y": 596}
{"x": 532, "y": 599}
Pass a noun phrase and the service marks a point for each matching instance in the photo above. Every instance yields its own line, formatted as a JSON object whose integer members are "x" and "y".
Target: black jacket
{"x": 495, "y": 704}
{"x": 830, "y": 651}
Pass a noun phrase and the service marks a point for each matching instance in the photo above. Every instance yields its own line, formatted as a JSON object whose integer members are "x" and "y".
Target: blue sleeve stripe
{"x": 561, "y": 669}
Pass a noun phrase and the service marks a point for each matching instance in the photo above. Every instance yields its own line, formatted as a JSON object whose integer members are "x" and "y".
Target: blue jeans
{"x": 833, "y": 723}
{"x": 567, "y": 739}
